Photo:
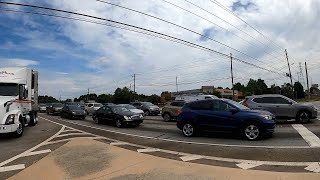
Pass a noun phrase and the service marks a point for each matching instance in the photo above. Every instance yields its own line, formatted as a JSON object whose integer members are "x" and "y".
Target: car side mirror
{"x": 233, "y": 110}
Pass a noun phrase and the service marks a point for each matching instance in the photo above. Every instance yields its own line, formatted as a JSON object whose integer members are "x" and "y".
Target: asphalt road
{"x": 286, "y": 144}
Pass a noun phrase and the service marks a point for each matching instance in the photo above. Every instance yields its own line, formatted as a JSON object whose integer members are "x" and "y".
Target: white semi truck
{"x": 18, "y": 99}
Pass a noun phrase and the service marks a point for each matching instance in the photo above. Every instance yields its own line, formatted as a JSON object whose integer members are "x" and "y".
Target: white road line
{"x": 32, "y": 149}
{"x": 180, "y": 141}
{"x": 148, "y": 150}
{"x": 315, "y": 167}
{"x": 69, "y": 139}
{"x": 118, "y": 143}
{"x": 273, "y": 163}
{"x": 70, "y": 130}
{"x": 38, "y": 152}
{"x": 248, "y": 165}
{"x": 12, "y": 168}
{"x": 307, "y": 135}
{"x": 191, "y": 158}
{"x": 72, "y": 134}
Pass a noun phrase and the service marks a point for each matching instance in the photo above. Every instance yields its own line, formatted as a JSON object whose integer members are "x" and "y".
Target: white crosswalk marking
{"x": 12, "y": 168}
{"x": 314, "y": 167}
{"x": 118, "y": 143}
{"x": 38, "y": 152}
{"x": 148, "y": 150}
{"x": 190, "y": 157}
{"x": 248, "y": 165}
{"x": 307, "y": 135}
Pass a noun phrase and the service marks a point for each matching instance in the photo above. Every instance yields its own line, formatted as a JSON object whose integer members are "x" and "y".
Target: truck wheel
{"x": 33, "y": 119}
{"x": 303, "y": 117}
{"x": 19, "y": 131}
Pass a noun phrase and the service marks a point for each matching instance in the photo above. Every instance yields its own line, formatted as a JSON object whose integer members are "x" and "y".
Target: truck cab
{"x": 18, "y": 99}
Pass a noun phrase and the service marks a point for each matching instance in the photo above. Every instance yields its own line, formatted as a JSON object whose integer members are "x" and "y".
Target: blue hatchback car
{"x": 224, "y": 115}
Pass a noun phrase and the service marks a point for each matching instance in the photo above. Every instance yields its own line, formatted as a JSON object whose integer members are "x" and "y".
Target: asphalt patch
{"x": 78, "y": 161}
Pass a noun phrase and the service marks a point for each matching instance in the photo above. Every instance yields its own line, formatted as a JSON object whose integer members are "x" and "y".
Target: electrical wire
{"x": 226, "y": 9}
{"x": 143, "y": 29}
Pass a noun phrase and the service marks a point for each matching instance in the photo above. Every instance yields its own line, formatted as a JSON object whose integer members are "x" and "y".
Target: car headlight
{"x": 127, "y": 118}
{"x": 141, "y": 116}
{"x": 10, "y": 119}
{"x": 268, "y": 117}
{"x": 73, "y": 112}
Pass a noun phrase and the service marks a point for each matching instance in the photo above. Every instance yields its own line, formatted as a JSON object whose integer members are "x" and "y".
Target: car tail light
{"x": 179, "y": 111}
{"x": 245, "y": 104}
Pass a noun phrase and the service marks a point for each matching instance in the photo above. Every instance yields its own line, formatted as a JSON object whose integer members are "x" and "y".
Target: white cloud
{"x": 19, "y": 62}
{"x": 119, "y": 54}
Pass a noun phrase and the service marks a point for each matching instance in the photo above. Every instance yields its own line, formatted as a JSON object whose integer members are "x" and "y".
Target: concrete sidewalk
{"x": 90, "y": 159}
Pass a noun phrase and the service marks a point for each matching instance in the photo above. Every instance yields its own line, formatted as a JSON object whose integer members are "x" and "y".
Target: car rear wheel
{"x": 188, "y": 129}
{"x": 303, "y": 117}
{"x": 252, "y": 132}
{"x": 118, "y": 123}
{"x": 166, "y": 117}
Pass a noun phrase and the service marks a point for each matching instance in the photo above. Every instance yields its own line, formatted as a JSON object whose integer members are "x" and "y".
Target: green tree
{"x": 216, "y": 93}
{"x": 104, "y": 98}
{"x": 47, "y": 99}
{"x": 275, "y": 89}
{"x": 122, "y": 96}
{"x": 298, "y": 89}
{"x": 219, "y": 87}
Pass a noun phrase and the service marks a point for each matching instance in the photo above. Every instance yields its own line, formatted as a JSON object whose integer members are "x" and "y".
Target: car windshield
{"x": 236, "y": 104}
{"x": 8, "y": 89}
{"x": 147, "y": 103}
{"x": 74, "y": 107}
{"x": 97, "y": 105}
{"x": 57, "y": 105}
{"x": 130, "y": 106}
{"x": 119, "y": 109}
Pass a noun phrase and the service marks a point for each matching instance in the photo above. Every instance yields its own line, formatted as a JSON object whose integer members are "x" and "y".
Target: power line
{"x": 148, "y": 32}
{"x": 226, "y": 9}
{"x": 179, "y": 26}
{"x": 185, "y": 83}
{"x": 188, "y": 29}
{"x": 219, "y": 26}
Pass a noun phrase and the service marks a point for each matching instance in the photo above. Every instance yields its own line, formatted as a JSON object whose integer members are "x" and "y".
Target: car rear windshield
{"x": 98, "y": 105}
{"x": 75, "y": 107}
{"x": 236, "y": 104}
{"x": 178, "y": 103}
{"x": 57, "y": 105}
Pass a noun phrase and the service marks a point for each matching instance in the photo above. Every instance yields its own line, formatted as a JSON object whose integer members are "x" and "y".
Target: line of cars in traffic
{"x": 119, "y": 114}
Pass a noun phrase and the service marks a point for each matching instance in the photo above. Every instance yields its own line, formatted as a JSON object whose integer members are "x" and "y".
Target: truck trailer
{"x": 18, "y": 100}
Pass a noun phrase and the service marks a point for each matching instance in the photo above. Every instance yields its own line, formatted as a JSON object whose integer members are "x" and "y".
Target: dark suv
{"x": 282, "y": 107}
{"x": 147, "y": 107}
{"x": 224, "y": 115}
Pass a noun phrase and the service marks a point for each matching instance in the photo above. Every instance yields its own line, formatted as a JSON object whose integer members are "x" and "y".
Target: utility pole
{"x": 305, "y": 63}
{"x": 232, "y": 77}
{"x": 134, "y": 86}
{"x": 177, "y": 83}
{"x": 88, "y": 95}
{"x": 290, "y": 75}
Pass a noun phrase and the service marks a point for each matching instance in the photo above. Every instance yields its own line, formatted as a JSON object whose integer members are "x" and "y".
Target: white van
{"x": 194, "y": 97}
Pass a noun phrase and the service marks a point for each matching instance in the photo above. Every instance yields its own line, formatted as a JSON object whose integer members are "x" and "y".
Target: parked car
{"x": 282, "y": 107}
{"x": 118, "y": 115}
{"x": 147, "y": 107}
{"x": 172, "y": 110}
{"x": 108, "y": 104}
{"x": 194, "y": 97}
{"x": 132, "y": 109}
{"x": 54, "y": 108}
{"x": 92, "y": 107}
{"x": 42, "y": 108}
{"x": 73, "y": 112}
{"x": 224, "y": 115}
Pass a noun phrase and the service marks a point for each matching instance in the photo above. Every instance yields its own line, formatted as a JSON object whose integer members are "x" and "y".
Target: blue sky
{"x": 73, "y": 56}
